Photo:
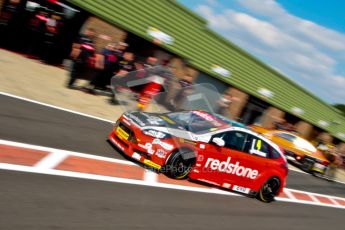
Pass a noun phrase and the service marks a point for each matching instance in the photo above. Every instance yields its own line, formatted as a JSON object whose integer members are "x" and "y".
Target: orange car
{"x": 297, "y": 149}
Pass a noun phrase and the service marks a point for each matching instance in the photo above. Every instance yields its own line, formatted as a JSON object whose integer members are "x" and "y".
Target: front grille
{"x": 307, "y": 163}
{"x": 309, "y": 158}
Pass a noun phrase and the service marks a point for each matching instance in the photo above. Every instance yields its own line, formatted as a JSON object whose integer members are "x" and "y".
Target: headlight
{"x": 155, "y": 133}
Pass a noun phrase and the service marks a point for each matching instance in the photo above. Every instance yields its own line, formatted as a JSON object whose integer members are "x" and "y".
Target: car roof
{"x": 246, "y": 130}
{"x": 230, "y": 121}
{"x": 287, "y": 132}
{"x": 219, "y": 117}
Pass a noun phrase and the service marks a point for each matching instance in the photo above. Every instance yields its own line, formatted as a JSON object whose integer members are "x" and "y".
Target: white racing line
{"x": 56, "y": 156}
{"x": 54, "y": 107}
{"x": 292, "y": 168}
{"x": 47, "y": 164}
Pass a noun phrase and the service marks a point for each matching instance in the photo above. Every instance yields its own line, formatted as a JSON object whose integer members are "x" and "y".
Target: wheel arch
{"x": 266, "y": 176}
{"x": 182, "y": 149}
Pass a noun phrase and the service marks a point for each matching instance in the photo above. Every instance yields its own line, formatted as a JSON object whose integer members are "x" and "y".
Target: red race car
{"x": 205, "y": 147}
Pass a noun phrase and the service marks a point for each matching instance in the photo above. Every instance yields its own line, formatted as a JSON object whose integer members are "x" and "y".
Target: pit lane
{"x": 26, "y": 122}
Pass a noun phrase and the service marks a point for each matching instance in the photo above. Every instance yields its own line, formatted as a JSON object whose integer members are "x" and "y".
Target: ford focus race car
{"x": 205, "y": 147}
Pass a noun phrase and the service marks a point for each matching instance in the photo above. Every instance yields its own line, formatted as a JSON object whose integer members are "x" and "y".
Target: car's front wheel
{"x": 269, "y": 190}
{"x": 179, "y": 164}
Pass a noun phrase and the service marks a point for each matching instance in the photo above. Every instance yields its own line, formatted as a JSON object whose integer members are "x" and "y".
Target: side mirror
{"x": 218, "y": 141}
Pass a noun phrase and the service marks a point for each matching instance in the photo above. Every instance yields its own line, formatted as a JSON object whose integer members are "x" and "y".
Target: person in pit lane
{"x": 184, "y": 89}
{"x": 82, "y": 53}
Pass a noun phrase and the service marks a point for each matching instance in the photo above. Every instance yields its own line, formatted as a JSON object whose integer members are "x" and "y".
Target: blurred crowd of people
{"x": 334, "y": 155}
{"x": 284, "y": 125}
{"x": 115, "y": 60}
{"x": 38, "y": 32}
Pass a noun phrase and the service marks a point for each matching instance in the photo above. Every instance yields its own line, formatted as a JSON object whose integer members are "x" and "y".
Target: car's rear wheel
{"x": 179, "y": 164}
{"x": 269, "y": 190}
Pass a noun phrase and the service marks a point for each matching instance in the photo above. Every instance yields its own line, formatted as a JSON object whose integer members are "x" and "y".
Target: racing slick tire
{"x": 269, "y": 190}
{"x": 179, "y": 164}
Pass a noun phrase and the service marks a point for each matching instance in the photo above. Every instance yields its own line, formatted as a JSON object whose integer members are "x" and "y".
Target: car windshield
{"x": 197, "y": 121}
{"x": 297, "y": 141}
{"x": 303, "y": 144}
{"x": 229, "y": 121}
{"x": 286, "y": 136}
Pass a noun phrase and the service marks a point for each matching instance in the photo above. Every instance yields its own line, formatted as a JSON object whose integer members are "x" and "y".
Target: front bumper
{"x": 313, "y": 164}
{"x": 125, "y": 144}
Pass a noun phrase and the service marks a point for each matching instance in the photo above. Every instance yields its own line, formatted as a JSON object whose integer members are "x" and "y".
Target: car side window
{"x": 256, "y": 146}
{"x": 274, "y": 154}
{"x": 233, "y": 139}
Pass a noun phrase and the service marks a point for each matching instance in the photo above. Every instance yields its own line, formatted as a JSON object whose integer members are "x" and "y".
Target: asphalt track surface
{"x": 34, "y": 201}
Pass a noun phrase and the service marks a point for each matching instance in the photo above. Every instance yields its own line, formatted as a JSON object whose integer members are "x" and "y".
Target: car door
{"x": 250, "y": 160}
{"x": 258, "y": 155}
{"x": 213, "y": 160}
{"x": 237, "y": 164}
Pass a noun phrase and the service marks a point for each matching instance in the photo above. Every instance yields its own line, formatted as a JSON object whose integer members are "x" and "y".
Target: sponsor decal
{"x": 163, "y": 144}
{"x": 161, "y": 153}
{"x": 187, "y": 141}
{"x": 136, "y": 119}
{"x": 202, "y": 146}
{"x": 230, "y": 168}
{"x": 118, "y": 145}
{"x": 152, "y": 119}
{"x": 258, "y": 152}
{"x": 122, "y": 133}
{"x": 152, "y": 164}
{"x": 258, "y": 144}
{"x": 167, "y": 119}
{"x": 207, "y": 117}
{"x": 154, "y": 133}
{"x": 148, "y": 147}
{"x": 136, "y": 156}
{"x": 256, "y": 148}
{"x": 241, "y": 189}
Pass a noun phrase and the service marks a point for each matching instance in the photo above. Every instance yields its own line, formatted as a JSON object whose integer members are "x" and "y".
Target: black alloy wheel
{"x": 179, "y": 164}
{"x": 269, "y": 190}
